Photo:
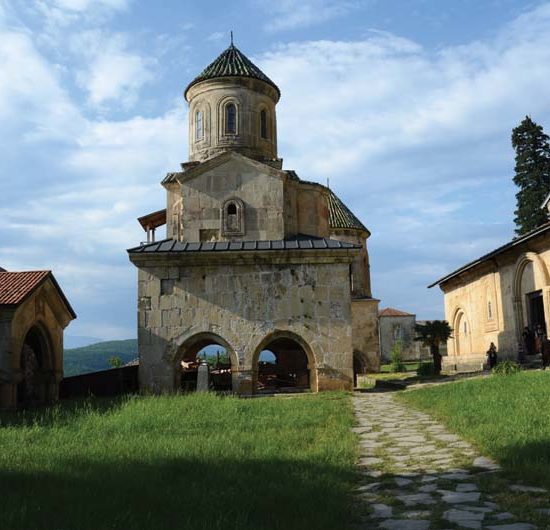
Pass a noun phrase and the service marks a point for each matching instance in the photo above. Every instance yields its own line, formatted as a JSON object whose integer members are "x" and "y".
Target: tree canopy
{"x": 532, "y": 174}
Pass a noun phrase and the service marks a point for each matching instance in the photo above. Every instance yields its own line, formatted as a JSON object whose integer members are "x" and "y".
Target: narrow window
{"x": 231, "y": 119}
{"x": 199, "y": 128}
{"x": 489, "y": 311}
{"x": 263, "y": 124}
{"x": 231, "y": 209}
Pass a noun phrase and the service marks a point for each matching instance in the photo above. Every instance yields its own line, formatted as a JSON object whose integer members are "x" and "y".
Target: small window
{"x": 489, "y": 311}
{"x": 263, "y": 124}
{"x": 166, "y": 287}
{"x": 233, "y": 217}
{"x": 199, "y": 126}
{"x": 230, "y": 119}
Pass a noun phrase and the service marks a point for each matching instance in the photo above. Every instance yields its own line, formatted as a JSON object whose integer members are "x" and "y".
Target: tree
{"x": 115, "y": 361}
{"x": 432, "y": 334}
{"x": 532, "y": 174}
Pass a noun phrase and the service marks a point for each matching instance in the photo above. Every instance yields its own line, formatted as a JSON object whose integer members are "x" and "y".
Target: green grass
{"x": 409, "y": 367}
{"x": 506, "y": 417}
{"x": 189, "y": 462}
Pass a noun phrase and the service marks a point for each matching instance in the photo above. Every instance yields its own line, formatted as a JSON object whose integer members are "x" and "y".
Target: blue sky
{"x": 407, "y": 105}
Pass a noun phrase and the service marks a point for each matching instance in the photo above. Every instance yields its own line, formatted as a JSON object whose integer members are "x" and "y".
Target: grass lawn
{"x": 507, "y": 418}
{"x": 190, "y": 462}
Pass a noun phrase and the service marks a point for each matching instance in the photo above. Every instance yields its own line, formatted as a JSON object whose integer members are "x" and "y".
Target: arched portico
{"x": 36, "y": 365}
{"x": 223, "y": 374}
{"x": 531, "y": 290}
{"x": 294, "y": 367}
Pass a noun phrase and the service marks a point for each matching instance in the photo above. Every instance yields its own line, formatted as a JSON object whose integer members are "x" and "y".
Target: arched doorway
{"x": 36, "y": 369}
{"x": 283, "y": 363}
{"x": 217, "y": 353}
{"x": 462, "y": 332}
{"x": 359, "y": 366}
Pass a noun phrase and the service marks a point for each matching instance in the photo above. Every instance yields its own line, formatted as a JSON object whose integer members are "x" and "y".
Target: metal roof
{"x": 515, "y": 242}
{"x": 15, "y": 287}
{"x": 299, "y": 243}
{"x": 232, "y": 63}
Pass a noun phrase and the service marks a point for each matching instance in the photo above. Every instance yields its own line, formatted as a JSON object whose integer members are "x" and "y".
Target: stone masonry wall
{"x": 243, "y": 303}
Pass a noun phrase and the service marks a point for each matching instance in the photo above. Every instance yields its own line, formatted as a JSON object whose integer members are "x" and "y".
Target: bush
{"x": 397, "y": 364}
{"x": 506, "y": 368}
{"x": 425, "y": 369}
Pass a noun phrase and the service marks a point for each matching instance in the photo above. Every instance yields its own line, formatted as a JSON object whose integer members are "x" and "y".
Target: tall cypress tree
{"x": 532, "y": 174}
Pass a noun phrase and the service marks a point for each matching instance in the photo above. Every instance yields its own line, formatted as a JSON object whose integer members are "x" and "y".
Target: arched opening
{"x": 36, "y": 369}
{"x": 233, "y": 217}
{"x": 462, "y": 332}
{"x": 263, "y": 124}
{"x": 208, "y": 348}
{"x": 283, "y": 365}
{"x": 230, "y": 119}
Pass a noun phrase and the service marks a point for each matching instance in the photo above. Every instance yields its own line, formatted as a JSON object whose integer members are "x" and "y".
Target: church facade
{"x": 256, "y": 259}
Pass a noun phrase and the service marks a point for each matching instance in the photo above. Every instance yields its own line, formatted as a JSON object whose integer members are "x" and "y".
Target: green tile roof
{"x": 232, "y": 63}
{"x": 340, "y": 216}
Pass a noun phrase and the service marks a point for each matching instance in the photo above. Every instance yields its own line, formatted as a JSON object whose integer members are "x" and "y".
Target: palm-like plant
{"x": 432, "y": 334}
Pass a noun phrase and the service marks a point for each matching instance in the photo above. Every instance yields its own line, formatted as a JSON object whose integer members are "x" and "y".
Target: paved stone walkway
{"x": 416, "y": 475}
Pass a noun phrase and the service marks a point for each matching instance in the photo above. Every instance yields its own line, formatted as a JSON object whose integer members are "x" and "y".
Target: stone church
{"x": 493, "y": 299}
{"x": 257, "y": 261}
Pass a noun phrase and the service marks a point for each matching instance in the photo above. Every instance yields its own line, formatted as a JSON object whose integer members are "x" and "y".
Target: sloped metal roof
{"x": 299, "y": 243}
{"x": 232, "y": 63}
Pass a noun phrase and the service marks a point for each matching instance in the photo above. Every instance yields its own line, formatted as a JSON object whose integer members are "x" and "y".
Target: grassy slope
{"x": 94, "y": 357}
{"x": 193, "y": 462}
{"x": 506, "y": 417}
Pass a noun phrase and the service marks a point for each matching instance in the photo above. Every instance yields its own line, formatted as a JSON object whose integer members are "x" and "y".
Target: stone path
{"x": 416, "y": 475}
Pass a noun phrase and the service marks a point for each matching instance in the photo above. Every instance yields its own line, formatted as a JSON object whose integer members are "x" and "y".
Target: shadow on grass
{"x": 177, "y": 493}
{"x": 62, "y": 412}
{"x": 527, "y": 463}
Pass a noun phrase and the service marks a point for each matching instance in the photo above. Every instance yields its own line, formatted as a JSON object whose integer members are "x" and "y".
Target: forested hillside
{"x": 95, "y": 357}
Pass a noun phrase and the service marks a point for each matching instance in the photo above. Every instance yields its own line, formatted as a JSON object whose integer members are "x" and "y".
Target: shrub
{"x": 506, "y": 368}
{"x": 397, "y": 364}
{"x": 425, "y": 369}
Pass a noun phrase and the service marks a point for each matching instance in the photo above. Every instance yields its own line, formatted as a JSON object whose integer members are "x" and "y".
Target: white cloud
{"x": 112, "y": 74}
{"x": 292, "y": 14}
{"x": 84, "y": 5}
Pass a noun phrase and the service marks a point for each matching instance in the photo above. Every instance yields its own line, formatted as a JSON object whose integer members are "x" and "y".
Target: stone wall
{"x": 366, "y": 347}
{"x": 394, "y": 328}
{"x": 238, "y": 301}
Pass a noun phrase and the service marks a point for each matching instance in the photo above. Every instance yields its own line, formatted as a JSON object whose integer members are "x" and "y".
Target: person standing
{"x": 492, "y": 356}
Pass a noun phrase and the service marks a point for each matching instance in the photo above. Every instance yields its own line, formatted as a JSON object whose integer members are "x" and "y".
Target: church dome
{"x": 232, "y": 63}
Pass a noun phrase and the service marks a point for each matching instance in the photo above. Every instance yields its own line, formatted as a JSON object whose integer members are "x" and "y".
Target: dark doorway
{"x": 218, "y": 359}
{"x": 283, "y": 367}
{"x": 535, "y": 309}
{"x": 32, "y": 390}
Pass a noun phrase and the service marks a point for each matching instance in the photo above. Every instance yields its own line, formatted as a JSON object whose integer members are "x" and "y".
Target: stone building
{"x": 396, "y": 326}
{"x": 33, "y": 314}
{"x": 494, "y": 297}
{"x": 256, "y": 259}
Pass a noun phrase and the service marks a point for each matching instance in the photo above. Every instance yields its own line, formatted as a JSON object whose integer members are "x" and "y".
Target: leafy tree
{"x": 432, "y": 334}
{"x": 397, "y": 364}
{"x": 532, "y": 174}
{"x": 115, "y": 361}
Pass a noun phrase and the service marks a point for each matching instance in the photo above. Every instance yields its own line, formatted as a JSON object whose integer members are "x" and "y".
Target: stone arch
{"x": 360, "y": 365}
{"x": 189, "y": 346}
{"x": 36, "y": 362}
{"x": 462, "y": 333}
{"x": 530, "y": 275}
{"x": 285, "y": 338}
{"x": 232, "y": 216}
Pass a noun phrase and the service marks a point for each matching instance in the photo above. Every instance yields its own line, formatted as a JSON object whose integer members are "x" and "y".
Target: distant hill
{"x": 95, "y": 356}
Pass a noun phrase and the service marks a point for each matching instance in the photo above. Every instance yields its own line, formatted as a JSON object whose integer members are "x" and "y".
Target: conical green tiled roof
{"x": 340, "y": 216}
{"x": 232, "y": 63}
